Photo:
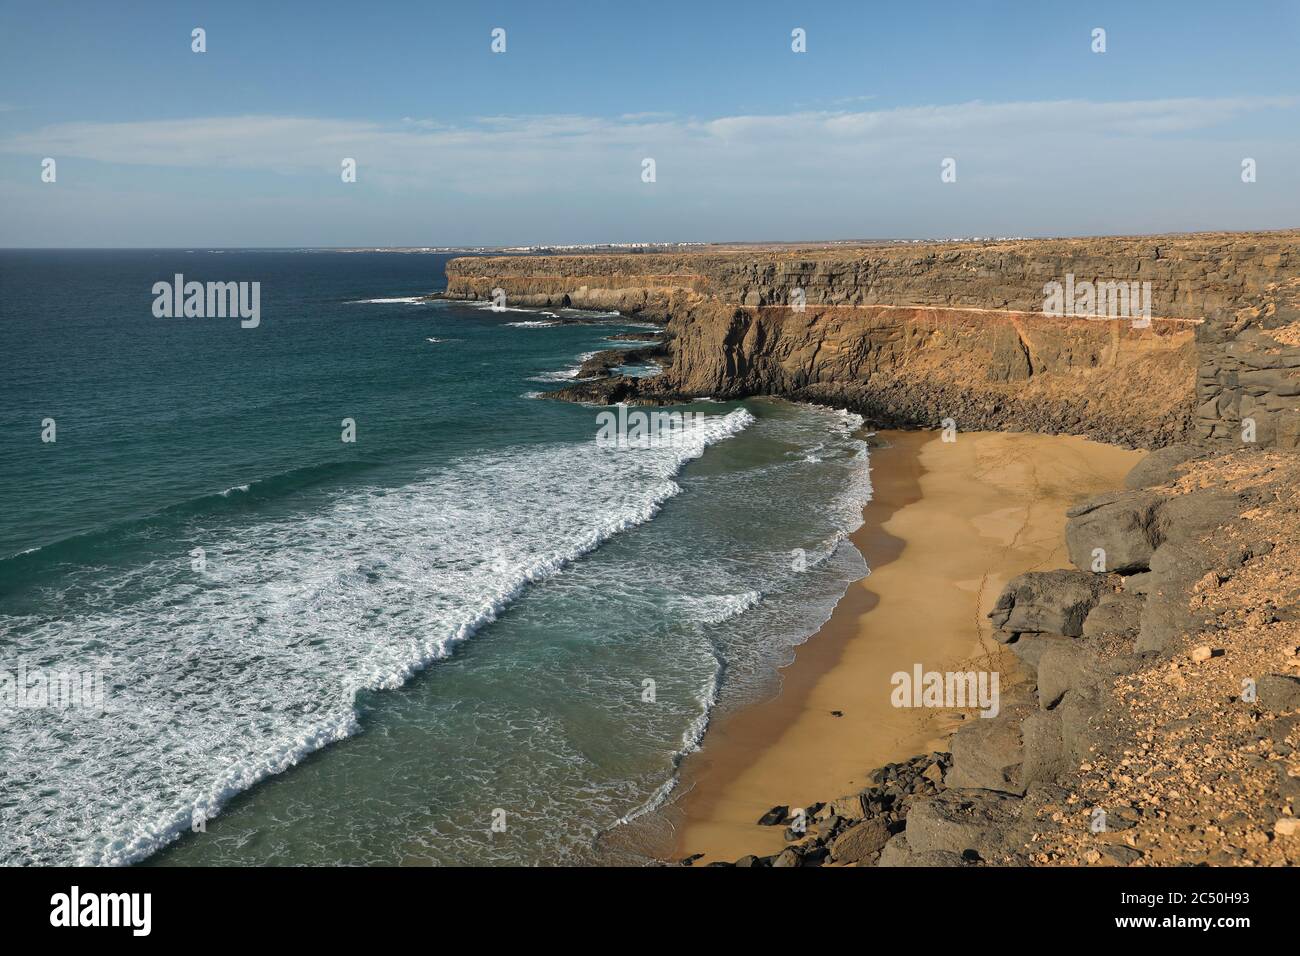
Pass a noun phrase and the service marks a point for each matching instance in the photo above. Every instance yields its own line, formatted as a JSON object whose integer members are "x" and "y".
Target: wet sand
{"x": 948, "y": 525}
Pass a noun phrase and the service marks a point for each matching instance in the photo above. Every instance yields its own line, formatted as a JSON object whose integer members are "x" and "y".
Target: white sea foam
{"x": 692, "y": 737}
{"x": 846, "y": 516}
{"x": 222, "y": 680}
{"x": 569, "y": 374}
{"x": 560, "y": 375}
{"x": 716, "y": 608}
{"x": 404, "y": 300}
{"x": 532, "y": 324}
{"x": 487, "y": 305}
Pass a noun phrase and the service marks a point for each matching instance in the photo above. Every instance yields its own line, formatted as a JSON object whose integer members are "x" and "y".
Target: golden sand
{"x": 948, "y": 525}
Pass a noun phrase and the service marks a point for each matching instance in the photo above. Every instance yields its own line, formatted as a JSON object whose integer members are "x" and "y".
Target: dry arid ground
{"x": 1197, "y": 768}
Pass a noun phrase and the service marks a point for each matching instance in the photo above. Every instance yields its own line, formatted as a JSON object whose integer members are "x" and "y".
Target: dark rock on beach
{"x": 961, "y": 820}
{"x": 861, "y": 842}
{"x": 1114, "y": 532}
{"x": 1054, "y": 602}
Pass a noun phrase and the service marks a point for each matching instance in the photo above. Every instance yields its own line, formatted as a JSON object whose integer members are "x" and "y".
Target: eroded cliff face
{"x": 904, "y": 367}
{"x": 913, "y": 335}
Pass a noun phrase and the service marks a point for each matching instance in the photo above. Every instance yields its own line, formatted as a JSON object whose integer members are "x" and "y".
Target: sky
{"x": 155, "y": 145}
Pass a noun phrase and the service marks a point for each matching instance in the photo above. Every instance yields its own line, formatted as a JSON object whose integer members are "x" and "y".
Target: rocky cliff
{"x": 911, "y": 334}
{"x": 1160, "y": 718}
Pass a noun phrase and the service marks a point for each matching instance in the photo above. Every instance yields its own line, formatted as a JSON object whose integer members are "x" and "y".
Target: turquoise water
{"x": 394, "y": 643}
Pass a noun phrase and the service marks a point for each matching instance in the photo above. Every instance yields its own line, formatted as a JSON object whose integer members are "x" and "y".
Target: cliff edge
{"x": 1177, "y": 337}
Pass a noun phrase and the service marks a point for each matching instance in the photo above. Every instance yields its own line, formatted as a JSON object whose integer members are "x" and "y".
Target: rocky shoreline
{"x": 913, "y": 337}
{"x": 1159, "y": 723}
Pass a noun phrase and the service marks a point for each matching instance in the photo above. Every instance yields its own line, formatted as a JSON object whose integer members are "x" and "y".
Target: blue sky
{"x": 241, "y": 146}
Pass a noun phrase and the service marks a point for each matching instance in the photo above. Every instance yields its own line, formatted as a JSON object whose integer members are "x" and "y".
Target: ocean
{"x": 471, "y": 635}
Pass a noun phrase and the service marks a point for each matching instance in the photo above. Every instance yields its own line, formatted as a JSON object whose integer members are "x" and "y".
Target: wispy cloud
{"x": 1023, "y": 167}
{"x": 474, "y": 156}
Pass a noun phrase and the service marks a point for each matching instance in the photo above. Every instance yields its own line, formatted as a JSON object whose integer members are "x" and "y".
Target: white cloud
{"x": 1024, "y": 167}
{"x": 421, "y": 149}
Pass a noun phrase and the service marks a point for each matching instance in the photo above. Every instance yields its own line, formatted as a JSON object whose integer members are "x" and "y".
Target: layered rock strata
{"x": 916, "y": 335}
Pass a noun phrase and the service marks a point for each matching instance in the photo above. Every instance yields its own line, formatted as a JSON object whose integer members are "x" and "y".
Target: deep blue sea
{"x": 430, "y": 645}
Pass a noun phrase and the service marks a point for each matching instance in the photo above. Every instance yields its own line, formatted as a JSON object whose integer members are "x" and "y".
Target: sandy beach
{"x": 948, "y": 525}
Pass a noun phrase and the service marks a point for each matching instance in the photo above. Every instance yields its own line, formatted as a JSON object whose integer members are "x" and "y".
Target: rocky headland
{"x": 911, "y": 335}
{"x": 1158, "y": 719}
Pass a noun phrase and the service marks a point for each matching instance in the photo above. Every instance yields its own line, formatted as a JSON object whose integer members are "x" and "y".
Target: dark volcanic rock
{"x": 853, "y": 807}
{"x": 898, "y": 852}
{"x": 1044, "y": 749}
{"x": 1117, "y": 614}
{"x": 1161, "y": 466}
{"x": 1114, "y": 532}
{"x": 635, "y": 337}
{"x": 861, "y": 842}
{"x": 1029, "y": 648}
{"x": 788, "y": 857}
{"x": 1189, "y": 518}
{"x": 1066, "y": 668}
{"x": 987, "y": 753}
{"x": 1055, "y": 602}
{"x": 960, "y": 820}
{"x": 1077, "y": 711}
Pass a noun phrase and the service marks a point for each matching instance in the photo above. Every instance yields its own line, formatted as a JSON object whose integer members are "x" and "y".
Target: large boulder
{"x": 1029, "y": 648}
{"x": 1066, "y": 668}
{"x": 1044, "y": 749}
{"x": 863, "y": 841}
{"x": 1117, "y": 614}
{"x": 788, "y": 857}
{"x": 851, "y": 807}
{"x": 1191, "y": 517}
{"x": 986, "y": 754}
{"x": 1123, "y": 525}
{"x": 1161, "y": 466}
{"x": 897, "y": 852}
{"x": 1077, "y": 711}
{"x": 959, "y": 821}
{"x": 1053, "y": 602}
{"x": 1189, "y": 550}
{"x": 1165, "y": 615}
